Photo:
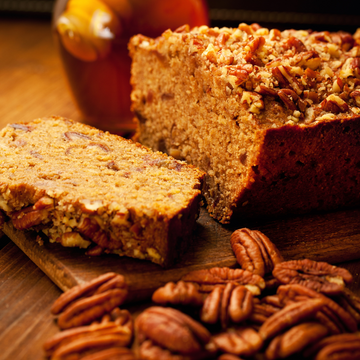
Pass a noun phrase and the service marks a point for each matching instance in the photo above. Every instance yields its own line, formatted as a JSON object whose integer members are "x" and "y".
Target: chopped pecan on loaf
{"x": 272, "y": 116}
{"x": 94, "y": 190}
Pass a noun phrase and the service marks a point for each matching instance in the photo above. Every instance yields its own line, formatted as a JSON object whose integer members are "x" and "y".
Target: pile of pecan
{"x": 267, "y": 309}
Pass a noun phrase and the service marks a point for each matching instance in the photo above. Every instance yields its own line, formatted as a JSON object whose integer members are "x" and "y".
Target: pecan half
{"x": 319, "y": 276}
{"x": 332, "y": 311}
{"x": 92, "y": 230}
{"x": 290, "y": 315}
{"x": 264, "y": 309}
{"x": 229, "y": 303}
{"x": 343, "y": 346}
{"x": 33, "y": 215}
{"x": 254, "y": 251}
{"x": 181, "y": 293}
{"x": 243, "y": 341}
{"x": 207, "y": 279}
{"x": 85, "y": 303}
{"x": 112, "y": 334}
{"x": 172, "y": 330}
{"x": 295, "y": 340}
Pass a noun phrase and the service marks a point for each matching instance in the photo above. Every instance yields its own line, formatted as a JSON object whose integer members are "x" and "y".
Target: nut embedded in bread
{"x": 87, "y": 188}
{"x": 272, "y": 117}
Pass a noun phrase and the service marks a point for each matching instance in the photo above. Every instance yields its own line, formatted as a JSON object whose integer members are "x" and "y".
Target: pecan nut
{"x": 319, "y": 276}
{"x": 243, "y": 341}
{"x": 148, "y": 350}
{"x": 88, "y": 302}
{"x": 230, "y": 303}
{"x": 33, "y": 215}
{"x": 254, "y": 251}
{"x": 332, "y": 313}
{"x": 207, "y": 279}
{"x": 295, "y": 340}
{"x": 111, "y": 335}
{"x": 265, "y": 308}
{"x": 172, "y": 330}
{"x": 343, "y": 346}
{"x": 181, "y": 293}
{"x": 290, "y": 315}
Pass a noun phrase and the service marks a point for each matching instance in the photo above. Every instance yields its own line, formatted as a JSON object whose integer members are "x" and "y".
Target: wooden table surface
{"x": 32, "y": 85}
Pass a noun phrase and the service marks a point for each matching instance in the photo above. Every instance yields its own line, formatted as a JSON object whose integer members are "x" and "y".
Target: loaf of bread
{"x": 272, "y": 117}
{"x": 87, "y": 188}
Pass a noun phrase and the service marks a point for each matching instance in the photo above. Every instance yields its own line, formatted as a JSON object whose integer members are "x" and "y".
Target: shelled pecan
{"x": 319, "y": 276}
{"x": 290, "y": 315}
{"x": 112, "y": 334}
{"x": 148, "y": 350}
{"x": 232, "y": 303}
{"x": 33, "y": 215}
{"x": 243, "y": 341}
{"x": 254, "y": 251}
{"x": 228, "y": 357}
{"x": 353, "y": 301}
{"x": 181, "y": 293}
{"x": 88, "y": 302}
{"x": 262, "y": 311}
{"x": 343, "y": 346}
{"x": 294, "y": 340}
{"x": 207, "y": 279}
{"x": 332, "y": 312}
{"x": 173, "y": 330}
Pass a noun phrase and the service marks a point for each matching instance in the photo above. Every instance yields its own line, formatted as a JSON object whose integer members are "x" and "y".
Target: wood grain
{"x": 332, "y": 237}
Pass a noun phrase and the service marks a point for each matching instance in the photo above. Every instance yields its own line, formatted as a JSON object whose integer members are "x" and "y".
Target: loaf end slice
{"x": 90, "y": 189}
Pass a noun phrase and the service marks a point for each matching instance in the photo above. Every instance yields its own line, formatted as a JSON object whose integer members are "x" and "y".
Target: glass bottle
{"x": 92, "y": 37}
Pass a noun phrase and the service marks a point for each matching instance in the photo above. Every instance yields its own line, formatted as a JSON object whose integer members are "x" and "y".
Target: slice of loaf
{"x": 272, "y": 117}
{"x": 87, "y": 188}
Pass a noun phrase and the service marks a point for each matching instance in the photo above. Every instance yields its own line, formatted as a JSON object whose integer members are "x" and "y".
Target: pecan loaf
{"x": 272, "y": 117}
{"x": 87, "y": 188}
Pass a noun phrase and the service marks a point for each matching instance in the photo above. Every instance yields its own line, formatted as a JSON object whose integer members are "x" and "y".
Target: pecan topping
{"x": 172, "y": 330}
{"x": 243, "y": 341}
{"x": 110, "y": 336}
{"x": 207, "y": 279}
{"x": 181, "y": 293}
{"x": 334, "y": 104}
{"x": 290, "y": 315}
{"x": 319, "y": 276}
{"x": 254, "y": 251}
{"x": 227, "y": 303}
{"x": 295, "y": 340}
{"x": 85, "y": 303}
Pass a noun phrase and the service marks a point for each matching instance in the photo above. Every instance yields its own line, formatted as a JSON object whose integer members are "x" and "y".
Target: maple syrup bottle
{"x": 92, "y": 36}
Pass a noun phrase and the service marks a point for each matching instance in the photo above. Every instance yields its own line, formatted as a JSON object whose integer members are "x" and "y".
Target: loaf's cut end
{"x": 87, "y": 188}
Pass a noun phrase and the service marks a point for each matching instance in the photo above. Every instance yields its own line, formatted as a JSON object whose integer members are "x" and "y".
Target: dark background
{"x": 304, "y": 14}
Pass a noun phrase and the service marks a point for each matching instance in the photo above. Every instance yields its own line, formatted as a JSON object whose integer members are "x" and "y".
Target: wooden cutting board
{"x": 333, "y": 237}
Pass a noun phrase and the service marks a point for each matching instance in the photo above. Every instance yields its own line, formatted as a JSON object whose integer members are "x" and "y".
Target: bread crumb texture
{"x": 272, "y": 117}
{"x": 88, "y": 188}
